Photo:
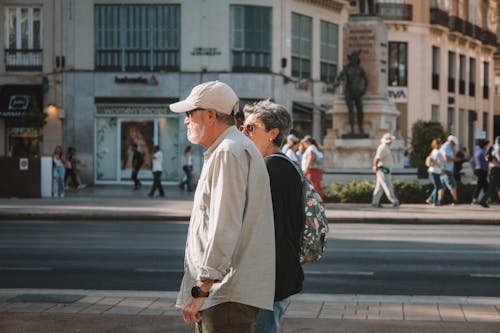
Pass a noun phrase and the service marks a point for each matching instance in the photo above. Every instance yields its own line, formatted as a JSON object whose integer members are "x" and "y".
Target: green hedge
{"x": 406, "y": 192}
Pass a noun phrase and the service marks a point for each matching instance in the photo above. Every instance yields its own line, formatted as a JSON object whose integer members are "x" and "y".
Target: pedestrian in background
{"x": 267, "y": 124}
{"x": 435, "y": 170}
{"x": 312, "y": 163}
{"x": 137, "y": 162}
{"x": 187, "y": 167}
{"x": 448, "y": 177}
{"x": 58, "y": 171}
{"x": 230, "y": 252}
{"x": 382, "y": 166}
{"x": 157, "y": 171}
{"x": 290, "y": 148}
{"x": 481, "y": 172}
{"x": 494, "y": 173}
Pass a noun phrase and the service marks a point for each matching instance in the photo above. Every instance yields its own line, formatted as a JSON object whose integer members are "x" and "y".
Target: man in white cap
{"x": 447, "y": 177}
{"x": 382, "y": 165}
{"x": 229, "y": 264}
{"x": 290, "y": 148}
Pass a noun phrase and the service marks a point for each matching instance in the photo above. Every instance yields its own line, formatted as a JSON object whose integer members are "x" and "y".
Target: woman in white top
{"x": 312, "y": 163}
{"x": 435, "y": 170}
{"x": 58, "y": 171}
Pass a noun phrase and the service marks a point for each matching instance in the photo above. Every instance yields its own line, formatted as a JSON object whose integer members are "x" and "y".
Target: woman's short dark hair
{"x": 272, "y": 116}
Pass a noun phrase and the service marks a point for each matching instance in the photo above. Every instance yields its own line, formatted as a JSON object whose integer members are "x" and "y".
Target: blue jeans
{"x": 436, "y": 181}
{"x": 58, "y": 180}
{"x": 269, "y": 321}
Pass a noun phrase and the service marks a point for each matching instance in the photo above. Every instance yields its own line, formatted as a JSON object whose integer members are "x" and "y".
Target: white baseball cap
{"x": 292, "y": 137}
{"x": 387, "y": 137}
{"x": 213, "y": 95}
{"x": 453, "y": 138}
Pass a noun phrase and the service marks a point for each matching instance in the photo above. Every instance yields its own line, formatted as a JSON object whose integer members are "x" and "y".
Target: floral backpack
{"x": 316, "y": 228}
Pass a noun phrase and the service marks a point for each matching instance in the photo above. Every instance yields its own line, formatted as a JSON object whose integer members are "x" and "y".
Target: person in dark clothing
{"x": 267, "y": 124}
{"x": 137, "y": 162}
{"x": 481, "y": 172}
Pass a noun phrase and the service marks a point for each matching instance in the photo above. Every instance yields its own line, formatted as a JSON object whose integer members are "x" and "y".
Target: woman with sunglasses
{"x": 267, "y": 124}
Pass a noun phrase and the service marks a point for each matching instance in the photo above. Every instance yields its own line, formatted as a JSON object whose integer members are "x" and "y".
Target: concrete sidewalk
{"x": 126, "y": 311}
{"x": 120, "y": 202}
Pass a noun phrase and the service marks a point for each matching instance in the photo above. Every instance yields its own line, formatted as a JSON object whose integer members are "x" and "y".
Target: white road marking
{"x": 339, "y": 273}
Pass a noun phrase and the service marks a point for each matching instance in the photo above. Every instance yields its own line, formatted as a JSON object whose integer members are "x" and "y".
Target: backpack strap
{"x": 299, "y": 170}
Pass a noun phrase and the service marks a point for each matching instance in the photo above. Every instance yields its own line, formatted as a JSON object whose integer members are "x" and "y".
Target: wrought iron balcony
{"x": 395, "y": 11}
{"x": 439, "y": 17}
{"x": 456, "y": 24}
{"x": 23, "y": 60}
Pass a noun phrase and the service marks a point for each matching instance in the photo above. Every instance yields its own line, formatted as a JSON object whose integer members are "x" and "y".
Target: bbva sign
{"x": 398, "y": 94}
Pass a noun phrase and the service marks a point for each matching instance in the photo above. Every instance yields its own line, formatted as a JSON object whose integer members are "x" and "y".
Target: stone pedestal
{"x": 343, "y": 151}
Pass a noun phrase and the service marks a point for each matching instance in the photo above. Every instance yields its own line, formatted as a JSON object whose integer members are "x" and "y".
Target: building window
{"x": 435, "y": 113}
{"x": 451, "y": 121}
{"x": 451, "y": 71}
{"x": 329, "y": 51}
{"x": 486, "y": 80}
{"x": 23, "y": 39}
{"x": 485, "y": 123}
{"x": 462, "y": 75}
{"x": 472, "y": 77}
{"x": 137, "y": 38}
{"x": 301, "y": 46}
{"x": 398, "y": 64}
{"x": 251, "y": 30}
{"x": 435, "y": 67}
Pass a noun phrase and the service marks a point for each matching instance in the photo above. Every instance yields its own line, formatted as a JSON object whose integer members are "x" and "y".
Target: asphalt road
{"x": 458, "y": 260}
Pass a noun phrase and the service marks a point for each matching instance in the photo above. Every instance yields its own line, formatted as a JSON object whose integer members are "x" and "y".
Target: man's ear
{"x": 211, "y": 116}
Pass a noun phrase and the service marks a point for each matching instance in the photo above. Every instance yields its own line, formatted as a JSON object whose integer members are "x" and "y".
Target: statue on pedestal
{"x": 355, "y": 87}
{"x": 362, "y": 5}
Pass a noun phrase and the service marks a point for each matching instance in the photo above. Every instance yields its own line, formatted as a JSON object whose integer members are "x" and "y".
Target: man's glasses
{"x": 189, "y": 114}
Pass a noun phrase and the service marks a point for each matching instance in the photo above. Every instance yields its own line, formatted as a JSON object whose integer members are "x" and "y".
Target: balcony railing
{"x": 439, "y": 17}
{"x": 456, "y": 24}
{"x": 395, "y": 11}
{"x": 23, "y": 60}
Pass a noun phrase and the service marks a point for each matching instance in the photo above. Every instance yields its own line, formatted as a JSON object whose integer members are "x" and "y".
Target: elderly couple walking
{"x": 242, "y": 250}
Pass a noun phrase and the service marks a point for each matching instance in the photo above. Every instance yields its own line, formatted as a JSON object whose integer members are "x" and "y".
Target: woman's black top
{"x": 286, "y": 191}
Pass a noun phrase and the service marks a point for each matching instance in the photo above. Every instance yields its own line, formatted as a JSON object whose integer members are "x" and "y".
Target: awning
{"x": 16, "y": 100}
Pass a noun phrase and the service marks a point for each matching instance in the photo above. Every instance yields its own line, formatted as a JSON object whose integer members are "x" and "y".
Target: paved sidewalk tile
{"x": 421, "y": 311}
{"x": 29, "y": 307}
{"x": 131, "y": 306}
{"x": 475, "y": 313}
{"x": 387, "y": 311}
{"x": 303, "y": 309}
{"x": 451, "y": 312}
{"x": 159, "y": 307}
{"x": 76, "y": 307}
{"x": 102, "y": 305}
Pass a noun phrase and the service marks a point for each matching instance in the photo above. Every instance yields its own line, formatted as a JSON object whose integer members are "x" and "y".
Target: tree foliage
{"x": 423, "y": 132}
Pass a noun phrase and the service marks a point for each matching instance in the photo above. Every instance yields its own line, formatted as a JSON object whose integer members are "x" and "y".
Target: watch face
{"x": 195, "y": 291}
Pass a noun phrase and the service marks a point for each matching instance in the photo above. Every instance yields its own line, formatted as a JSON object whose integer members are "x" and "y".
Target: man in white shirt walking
{"x": 382, "y": 165}
{"x": 157, "y": 170}
{"x": 230, "y": 249}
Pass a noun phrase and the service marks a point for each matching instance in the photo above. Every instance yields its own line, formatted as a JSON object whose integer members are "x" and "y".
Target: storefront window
{"x": 168, "y": 141}
{"x": 138, "y": 132}
{"x": 115, "y": 137}
{"x": 24, "y": 142}
{"x": 107, "y": 149}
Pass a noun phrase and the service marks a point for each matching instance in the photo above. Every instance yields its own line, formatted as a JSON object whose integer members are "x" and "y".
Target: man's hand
{"x": 191, "y": 308}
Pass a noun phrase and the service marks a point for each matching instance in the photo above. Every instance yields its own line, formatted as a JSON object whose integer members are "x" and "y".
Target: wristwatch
{"x": 196, "y": 292}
